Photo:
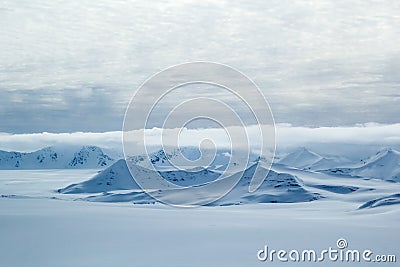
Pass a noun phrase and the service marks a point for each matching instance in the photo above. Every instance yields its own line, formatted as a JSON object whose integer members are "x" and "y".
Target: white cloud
{"x": 287, "y": 137}
{"x": 361, "y": 134}
{"x": 34, "y": 141}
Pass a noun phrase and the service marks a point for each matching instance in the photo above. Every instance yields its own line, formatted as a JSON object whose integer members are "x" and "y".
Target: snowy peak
{"x": 384, "y": 165}
{"x": 56, "y": 158}
{"x": 90, "y": 156}
{"x": 115, "y": 177}
{"x": 384, "y": 156}
{"x": 118, "y": 177}
{"x": 45, "y": 156}
{"x": 301, "y": 158}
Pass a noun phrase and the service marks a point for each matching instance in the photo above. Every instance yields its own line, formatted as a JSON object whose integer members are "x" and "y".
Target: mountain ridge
{"x": 56, "y": 158}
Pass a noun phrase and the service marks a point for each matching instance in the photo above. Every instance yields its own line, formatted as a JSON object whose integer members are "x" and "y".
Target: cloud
{"x": 325, "y": 139}
{"x": 35, "y": 141}
{"x": 361, "y": 134}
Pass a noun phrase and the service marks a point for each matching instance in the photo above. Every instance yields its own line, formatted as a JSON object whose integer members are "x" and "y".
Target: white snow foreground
{"x": 48, "y": 233}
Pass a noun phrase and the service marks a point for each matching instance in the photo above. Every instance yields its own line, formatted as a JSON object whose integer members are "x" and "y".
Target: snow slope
{"x": 382, "y": 201}
{"x": 56, "y": 158}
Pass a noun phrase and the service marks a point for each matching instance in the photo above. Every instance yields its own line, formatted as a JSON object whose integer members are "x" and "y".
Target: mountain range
{"x": 85, "y": 157}
{"x": 283, "y": 183}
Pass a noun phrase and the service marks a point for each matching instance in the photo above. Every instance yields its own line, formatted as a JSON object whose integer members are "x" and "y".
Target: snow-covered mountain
{"x": 303, "y": 158}
{"x": 115, "y": 177}
{"x": 96, "y": 157}
{"x": 277, "y": 187}
{"x": 118, "y": 177}
{"x": 384, "y": 165}
{"x": 162, "y": 160}
{"x": 56, "y": 158}
{"x": 282, "y": 184}
{"x": 328, "y": 162}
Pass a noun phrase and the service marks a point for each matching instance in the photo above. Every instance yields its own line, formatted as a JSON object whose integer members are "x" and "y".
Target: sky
{"x": 73, "y": 66}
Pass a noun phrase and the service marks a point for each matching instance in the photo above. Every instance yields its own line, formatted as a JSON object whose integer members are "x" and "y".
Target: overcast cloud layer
{"x": 69, "y": 66}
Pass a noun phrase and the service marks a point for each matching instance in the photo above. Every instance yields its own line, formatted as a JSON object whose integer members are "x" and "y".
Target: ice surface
{"x": 43, "y": 232}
